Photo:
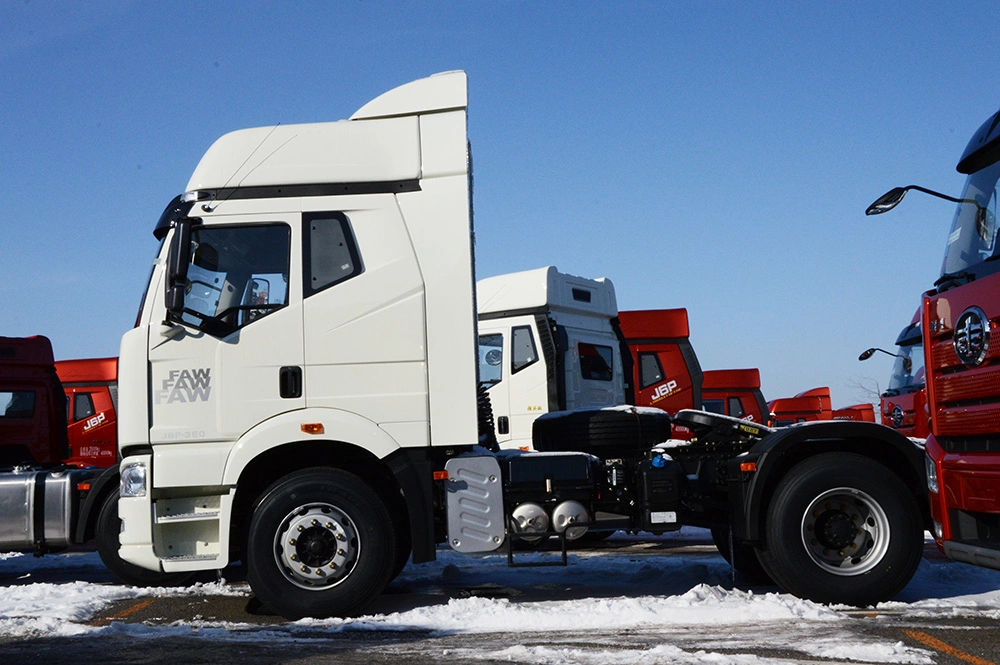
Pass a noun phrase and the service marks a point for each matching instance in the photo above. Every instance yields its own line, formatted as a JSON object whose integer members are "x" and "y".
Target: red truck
{"x": 904, "y": 402}
{"x": 959, "y": 318}
{"x": 58, "y": 455}
{"x": 735, "y": 393}
{"x": 91, "y": 387}
{"x": 813, "y": 405}
{"x": 666, "y": 371}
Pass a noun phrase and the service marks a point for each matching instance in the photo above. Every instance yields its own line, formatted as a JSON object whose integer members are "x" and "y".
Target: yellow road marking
{"x": 131, "y": 609}
{"x": 943, "y": 647}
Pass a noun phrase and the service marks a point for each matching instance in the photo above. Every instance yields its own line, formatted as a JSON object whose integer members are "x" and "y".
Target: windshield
{"x": 910, "y": 357}
{"x": 973, "y": 237}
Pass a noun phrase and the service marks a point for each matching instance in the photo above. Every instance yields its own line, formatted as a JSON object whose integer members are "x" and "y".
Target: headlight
{"x": 932, "y": 479}
{"x": 133, "y": 480}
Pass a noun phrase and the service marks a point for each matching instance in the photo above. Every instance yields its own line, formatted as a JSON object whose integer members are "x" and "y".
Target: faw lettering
{"x": 664, "y": 390}
{"x": 183, "y": 386}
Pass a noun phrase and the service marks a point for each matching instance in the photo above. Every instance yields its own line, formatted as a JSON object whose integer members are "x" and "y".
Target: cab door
{"x": 233, "y": 356}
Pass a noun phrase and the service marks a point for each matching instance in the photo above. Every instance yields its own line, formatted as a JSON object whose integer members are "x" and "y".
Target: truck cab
{"x": 32, "y": 404}
{"x": 666, "y": 371}
{"x": 91, "y": 387}
{"x": 809, "y": 405}
{"x": 903, "y": 405}
{"x": 959, "y": 318}
{"x": 815, "y": 405}
{"x": 735, "y": 393}
{"x": 548, "y": 341}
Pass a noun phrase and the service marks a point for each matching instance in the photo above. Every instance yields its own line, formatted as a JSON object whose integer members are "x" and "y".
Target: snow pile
{"x": 702, "y": 605}
{"x": 684, "y": 604}
{"x": 49, "y": 609}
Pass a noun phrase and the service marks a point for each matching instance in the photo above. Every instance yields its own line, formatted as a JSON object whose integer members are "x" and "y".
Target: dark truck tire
{"x": 743, "y": 558}
{"x": 107, "y": 530}
{"x": 321, "y": 544}
{"x": 842, "y": 528}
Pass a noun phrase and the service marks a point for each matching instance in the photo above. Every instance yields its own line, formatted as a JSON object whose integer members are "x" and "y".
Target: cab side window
{"x": 650, "y": 371}
{"x": 736, "y": 407}
{"x": 330, "y": 254}
{"x": 83, "y": 406}
{"x": 522, "y": 348}
{"x": 595, "y": 362}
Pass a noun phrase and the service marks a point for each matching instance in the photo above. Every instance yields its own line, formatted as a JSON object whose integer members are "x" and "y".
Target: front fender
{"x": 777, "y": 453}
{"x": 289, "y": 427}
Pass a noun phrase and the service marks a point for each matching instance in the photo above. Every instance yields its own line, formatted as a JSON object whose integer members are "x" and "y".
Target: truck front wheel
{"x": 842, "y": 528}
{"x": 107, "y": 530}
{"x": 321, "y": 543}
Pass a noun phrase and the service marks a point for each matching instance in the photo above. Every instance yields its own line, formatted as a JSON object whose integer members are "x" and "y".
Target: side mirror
{"x": 865, "y": 355}
{"x": 887, "y": 201}
{"x": 178, "y": 259}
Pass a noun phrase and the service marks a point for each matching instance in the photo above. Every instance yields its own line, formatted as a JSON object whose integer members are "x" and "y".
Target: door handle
{"x": 290, "y": 382}
{"x": 503, "y": 425}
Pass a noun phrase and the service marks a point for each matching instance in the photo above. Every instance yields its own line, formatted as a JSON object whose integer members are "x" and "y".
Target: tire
{"x": 743, "y": 558}
{"x": 343, "y": 557}
{"x": 830, "y": 507}
{"x": 108, "y": 528}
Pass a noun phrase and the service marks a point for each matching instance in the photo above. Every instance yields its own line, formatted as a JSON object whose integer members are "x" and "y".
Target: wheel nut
{"x": 341, "y": 552}
{"x": 340, "y": 537}
{"x": 304, "y": 569}
{"x": 292, "y": 542}
{"x": 314, "y": 522}
{"x": 333, "y": 566}
{"x": 300, "y": 528}
{"x": 294, "y": 557}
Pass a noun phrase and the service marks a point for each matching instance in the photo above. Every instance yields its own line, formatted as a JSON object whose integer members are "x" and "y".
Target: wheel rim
{"x": 316, "y": 546}
{"x": 845, "y": 531}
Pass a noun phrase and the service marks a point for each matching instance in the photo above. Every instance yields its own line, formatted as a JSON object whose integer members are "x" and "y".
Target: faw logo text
{"x": 664, "y": 390}
{"x": 183, "y": 386}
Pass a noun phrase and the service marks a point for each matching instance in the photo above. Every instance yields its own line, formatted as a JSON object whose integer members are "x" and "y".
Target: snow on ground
{"x": 608, "y": 592}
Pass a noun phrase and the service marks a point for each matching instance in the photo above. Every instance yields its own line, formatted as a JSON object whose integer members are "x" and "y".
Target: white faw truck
{"x": 548, "y": 341}
{"x": 300, "y": 394}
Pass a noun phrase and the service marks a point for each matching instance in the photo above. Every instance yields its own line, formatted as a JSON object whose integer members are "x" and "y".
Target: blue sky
{"x": 710, "y": 155}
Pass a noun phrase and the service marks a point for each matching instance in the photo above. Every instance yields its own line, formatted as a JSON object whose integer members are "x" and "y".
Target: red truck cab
{"x": 32, "y": 411}
{"x": 903, "y": 405}
{"x": 814, "y": 405}
{"x": 959, "y": 321}
{"x": 735, "y": 393}
{"x": 666, "y": 371}
{"x": 807, "y": 406}
{"x": 91, "y": 387}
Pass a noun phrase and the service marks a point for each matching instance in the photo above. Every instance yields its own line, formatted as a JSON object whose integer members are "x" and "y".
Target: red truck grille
{"x": 968, "y": 398}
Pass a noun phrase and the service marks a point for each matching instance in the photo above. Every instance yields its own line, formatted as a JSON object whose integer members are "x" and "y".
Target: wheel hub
{"x": 835, "y": 529}
{"x": 316, "y": 546}
{"x": 845, "y": 531}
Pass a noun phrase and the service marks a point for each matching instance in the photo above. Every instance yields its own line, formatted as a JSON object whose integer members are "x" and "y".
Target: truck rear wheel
{"x": 108, "y": 528}
{"x": 321, "y": 544}
{"x": 842, "y": 528}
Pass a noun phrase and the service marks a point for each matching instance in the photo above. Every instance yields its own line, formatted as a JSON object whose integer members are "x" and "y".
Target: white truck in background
{"x": 548, "y": 341}
{"x": 300, "y": 393}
